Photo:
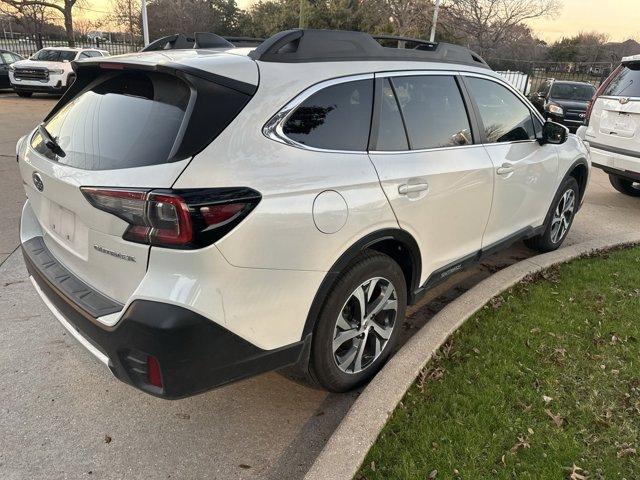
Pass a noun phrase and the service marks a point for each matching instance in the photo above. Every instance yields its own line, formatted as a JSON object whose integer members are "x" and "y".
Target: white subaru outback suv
{"x": 613, "y": 127}
{"x": 48, "y": 70}
{"x": 200, "y": 215}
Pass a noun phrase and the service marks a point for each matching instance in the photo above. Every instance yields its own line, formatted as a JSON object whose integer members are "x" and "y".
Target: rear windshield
{"x": 626, "y": 83}
{"x": 129, "y": 119}
{"x": 572, "y": 91}
{"x": 54, "y": 55}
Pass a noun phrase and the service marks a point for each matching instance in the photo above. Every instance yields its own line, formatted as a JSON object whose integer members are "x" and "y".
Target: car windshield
{"x": 54, "y": 55}
{"x": 572, "y": 91}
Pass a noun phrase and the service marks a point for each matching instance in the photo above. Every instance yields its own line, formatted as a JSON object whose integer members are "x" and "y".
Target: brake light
{"x": 603, "y": 86}
{"x": 175, "y": 219}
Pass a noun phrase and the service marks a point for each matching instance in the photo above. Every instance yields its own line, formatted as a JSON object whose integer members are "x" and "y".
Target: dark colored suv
{"x": 563, "y": 101}
{"x": 6, "y": 59}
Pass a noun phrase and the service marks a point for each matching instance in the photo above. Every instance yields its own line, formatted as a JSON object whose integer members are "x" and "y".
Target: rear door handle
{"x": 505, "y": 169}
{"x": 416, "y": 187}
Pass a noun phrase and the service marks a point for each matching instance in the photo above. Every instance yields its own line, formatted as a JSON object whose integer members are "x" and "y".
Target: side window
{"x": 335, "y": 118}
{"x": 433, "y": 111}
{"x": 83, "y": 55}
{"x": 505, "y": 117}
{"x": 391, "y": 134}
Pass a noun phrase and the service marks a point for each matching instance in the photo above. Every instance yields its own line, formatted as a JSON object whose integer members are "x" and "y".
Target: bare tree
{"x": 486, "y": 24}
{"x": 65, "y": 7}
{"x": 126, "y": 14}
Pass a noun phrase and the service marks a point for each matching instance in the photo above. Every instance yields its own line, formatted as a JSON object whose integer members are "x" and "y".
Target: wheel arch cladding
{"x": 580, "y": 171}
{"x": 396, "y": 243}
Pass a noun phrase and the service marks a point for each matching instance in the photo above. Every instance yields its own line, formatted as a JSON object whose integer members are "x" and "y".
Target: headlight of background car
{"x": 551, "y": 108}
{"x": 56, "y": 71}
{"x": 12, "y": 68}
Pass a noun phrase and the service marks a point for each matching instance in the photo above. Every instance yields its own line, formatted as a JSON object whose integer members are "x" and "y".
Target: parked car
{"x": 7, "y": 58}
{"x": 613, "y": 127}
{"x": 563, "y": 101}
{"x": 48, "y": 70}
{"x": 200, "y": 216}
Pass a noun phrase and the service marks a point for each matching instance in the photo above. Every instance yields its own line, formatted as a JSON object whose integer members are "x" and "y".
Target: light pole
{"x": 145, "y": 22}
{"x": 435, "y": 21}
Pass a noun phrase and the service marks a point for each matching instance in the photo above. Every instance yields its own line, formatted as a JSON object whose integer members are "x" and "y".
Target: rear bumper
{"x": 623, "y": 163}
{"x": 194, "y": 353}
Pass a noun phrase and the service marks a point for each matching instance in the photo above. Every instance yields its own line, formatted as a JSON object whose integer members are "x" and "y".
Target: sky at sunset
{"x": 620, "y": 19}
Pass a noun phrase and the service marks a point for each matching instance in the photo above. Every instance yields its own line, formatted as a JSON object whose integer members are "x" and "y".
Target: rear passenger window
{"x": 391, "y": 133}
{"x": 433, "y": 111}
{"x": 505, "y": 117}
{"x": 335, "y": 118}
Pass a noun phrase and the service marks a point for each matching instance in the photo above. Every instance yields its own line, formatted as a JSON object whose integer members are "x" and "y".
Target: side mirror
{"x": 554, "y": 133}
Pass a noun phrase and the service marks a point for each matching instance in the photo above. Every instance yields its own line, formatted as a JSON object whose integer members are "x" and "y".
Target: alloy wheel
{"x": 563, "y": 215}
{"x": 365, "y": 324}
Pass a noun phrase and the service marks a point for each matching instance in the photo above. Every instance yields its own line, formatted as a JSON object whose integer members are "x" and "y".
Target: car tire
{"x": 559, "y": 218}
{"x": 378, "y": 282}
{"x": 24, "y": 94}
{"x": 628, "y": 187}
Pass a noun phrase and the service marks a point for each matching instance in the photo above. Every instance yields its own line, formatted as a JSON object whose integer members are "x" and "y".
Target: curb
{"x": 347, "y": 447}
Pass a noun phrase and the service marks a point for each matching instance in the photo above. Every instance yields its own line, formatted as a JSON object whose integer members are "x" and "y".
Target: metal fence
{"x": 527, "y": 76}
{"x": 28, "y": 46}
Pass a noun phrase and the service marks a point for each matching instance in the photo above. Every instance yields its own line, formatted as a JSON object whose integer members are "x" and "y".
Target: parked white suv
{"x": 48, "y": 70}
{"x": 613, "y": 127}
{"x": 199, "y": 216}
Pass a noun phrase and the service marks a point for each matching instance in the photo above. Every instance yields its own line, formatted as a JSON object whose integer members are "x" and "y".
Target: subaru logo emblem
{"x": 624, "y": 100}
{"x": 37, "y": 181}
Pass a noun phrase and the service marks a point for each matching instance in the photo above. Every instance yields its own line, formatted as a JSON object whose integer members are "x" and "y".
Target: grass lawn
{"x": 543, "y": 383}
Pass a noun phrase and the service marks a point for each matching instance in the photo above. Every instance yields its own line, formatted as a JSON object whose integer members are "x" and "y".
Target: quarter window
{"x": 504, "y": 116}
{"x": 433, "y": 111}
{"x": 335, "y": 118}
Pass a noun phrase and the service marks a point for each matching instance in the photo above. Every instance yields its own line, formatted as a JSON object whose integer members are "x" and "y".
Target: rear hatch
{"x": 615, "y": 120}
{"x": 131, "y": 125}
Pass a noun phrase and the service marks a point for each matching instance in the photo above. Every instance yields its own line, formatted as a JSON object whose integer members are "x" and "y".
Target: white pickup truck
{"x": 613, "y": 127}
{"x": 48, "y": 70}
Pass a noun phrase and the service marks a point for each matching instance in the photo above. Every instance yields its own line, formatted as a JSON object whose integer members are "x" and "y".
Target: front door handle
{"x": 505, "y": 169}
{"x": 412, "y": 188}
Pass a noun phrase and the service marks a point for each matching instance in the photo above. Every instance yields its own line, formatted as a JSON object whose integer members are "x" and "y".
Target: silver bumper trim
{"x": 85, "y": 343}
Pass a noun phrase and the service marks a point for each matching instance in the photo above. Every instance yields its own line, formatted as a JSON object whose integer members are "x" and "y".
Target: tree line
{"x": 496, "y": 29}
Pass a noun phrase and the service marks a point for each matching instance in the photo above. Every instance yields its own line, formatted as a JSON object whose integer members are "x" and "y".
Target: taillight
{"x": 175, "y": 218}
{"x": 603, "y": 86}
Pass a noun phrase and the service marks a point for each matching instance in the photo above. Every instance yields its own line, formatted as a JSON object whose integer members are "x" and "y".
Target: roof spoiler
{"x": 308, "y": 45}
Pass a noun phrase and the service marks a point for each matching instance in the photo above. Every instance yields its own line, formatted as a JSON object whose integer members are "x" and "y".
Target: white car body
{"x": 613, "y": 129}
{"x": 32, "y": 75}
{"x": 263, "y": 282}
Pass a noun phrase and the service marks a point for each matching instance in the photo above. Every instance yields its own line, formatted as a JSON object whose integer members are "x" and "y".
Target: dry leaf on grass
{"x": 625, "y": 450}
{"x": 557, "y": 419}
{"x": 576, "y": 473}
{"x": 523, "y": 442}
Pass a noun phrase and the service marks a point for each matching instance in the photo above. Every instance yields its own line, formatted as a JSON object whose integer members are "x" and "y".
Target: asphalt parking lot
{"x": 64, "y": 416}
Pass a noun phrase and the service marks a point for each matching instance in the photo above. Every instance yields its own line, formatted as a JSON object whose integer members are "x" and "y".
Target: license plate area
{"x": 62, "y": 222}
{"x": 620, "y": 124}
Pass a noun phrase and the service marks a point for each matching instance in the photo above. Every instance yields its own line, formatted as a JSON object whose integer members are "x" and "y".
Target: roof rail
{"x": 180, "y": 41}
{"x": 297, "y": 46}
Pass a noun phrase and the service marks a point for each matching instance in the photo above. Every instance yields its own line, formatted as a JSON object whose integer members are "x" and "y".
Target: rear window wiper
{"x": 50, "y": 142}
